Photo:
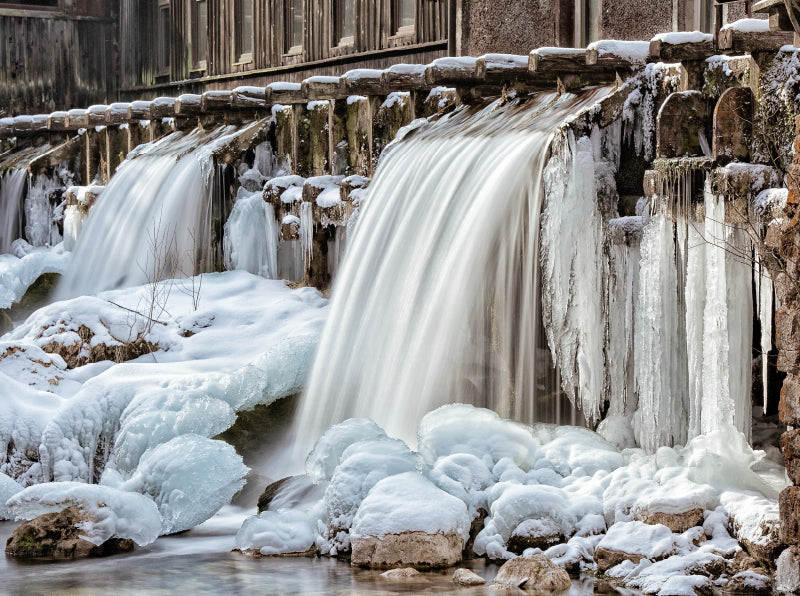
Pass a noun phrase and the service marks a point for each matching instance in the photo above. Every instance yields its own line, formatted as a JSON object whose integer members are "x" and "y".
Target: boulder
{"x": 55, "y": 536}
{"x": 677, "y": 522}
{"x": 266, "y": 497}
{"x": 787, "y": 575}
{"x": 535, "y": 572}
{"x": 467, "y": 577}
{"x": 6, "y": 324}
{"x": 403, "y": 573}
{"x": 749, "y": 582}
{"x": 415, "y": 549}
{"x": 606, "y": 558}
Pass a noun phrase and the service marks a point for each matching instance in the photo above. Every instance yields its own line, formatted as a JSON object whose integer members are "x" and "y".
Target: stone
{"x": 6, "y": 324}
{"x": 785, "y": 288}
{"x": 467, "y": 577}
{"x": 475, "y": 527}
{"x": 86, "y": 351}
{"x": 677, "y": 522}
{"x": 55, "y": 536}
{"x": 535, "y": 572}
{"x": 787, "y": 327}
{"x": 270, "y": 492}
{"x": 789, "y": 405}
{"x": 407, "y": 549}
{"x": 790, "y": 448}
{"x": 523, "y": 537}
{"x": 789, "y": 507}
{"x": 752, "y": 581}
{"x": 401, "y": 574}
{"x": 37, "y": 295}
{"x": 787, "y": 574}
{"x": 607, "y": 558}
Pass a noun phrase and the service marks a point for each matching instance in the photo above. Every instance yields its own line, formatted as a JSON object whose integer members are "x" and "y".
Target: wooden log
{"x": 745, "y": 42}
{"x": 287, "y": 93}
{"x": 162, "y": 107}
{"x": 404, "y": 77}
{"x": 618, "y": 55}
{"x": 314, "y": 139}
{"x": 30, "y": 125}
{"x": 286, "y": 136}
{"x": 76, "y": 119}
{"x": 461, "y": 70}
{"x": 358, "y": 133}
{"x": 439, "y": 99}
{"x": 683, "y": 125}
{"x": 188, "y": 104}
{"x": 504, "y": 68}
{"x": 681, "y": 47}
{"x": 557, "y": 60}
{"x": 57, "y": 121}
{"x": 6, "y": 128}
{"x": 732, "y": 127}
{"x": 216, "y": 101}
{"x": 246, "y": 97}
{"x": 140, "y": 110}
{"x": 117, "y": 113}
{"x": 394, "y": 113}
{"x": 351, "y": 183}
{"x": 97, "y": 115}
{"x": 364, "y": 81}
{"x": 59, "y": 154}
{"x": 322, "y": 87}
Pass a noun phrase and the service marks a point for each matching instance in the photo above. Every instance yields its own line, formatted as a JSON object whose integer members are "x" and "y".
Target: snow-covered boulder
{"x": 277, "y": 533}
{"x": 634, "y": 541}
{"x": 406, "y": 521}
{"x": 534, "y": 572}
{"x": 328, "y": 450}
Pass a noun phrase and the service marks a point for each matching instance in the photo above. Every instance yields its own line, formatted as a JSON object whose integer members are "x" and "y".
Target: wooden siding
{"x": 372, "y": 36}
{"x": 55, "y": 61}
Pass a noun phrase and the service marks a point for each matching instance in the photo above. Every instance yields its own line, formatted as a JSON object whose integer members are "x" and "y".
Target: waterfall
{"x": 156, "y": 217}
{"x": 12, "y": 187}
{"x": 438, "y": 298}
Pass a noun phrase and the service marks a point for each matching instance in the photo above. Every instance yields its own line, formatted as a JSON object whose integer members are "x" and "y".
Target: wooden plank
{"x": 405, "y": 77}
{"x": 286, "y": 93}
{"x": 741, "y": 42}
{"x": 250, "y": 97}
{"x": 618, "y": 55}
{"x": 216, "y": 101}
{"x": 681, "y": 47}
{"x": 452, "y": 71}
{"x": 557, "y": 60}
{"x": 323, "y": 87}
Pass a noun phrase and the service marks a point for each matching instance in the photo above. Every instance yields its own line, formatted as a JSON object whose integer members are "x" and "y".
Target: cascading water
{"x": 154, "y": 219}
{"x": 437, "y": 300}
{"x": 12, "y": 187}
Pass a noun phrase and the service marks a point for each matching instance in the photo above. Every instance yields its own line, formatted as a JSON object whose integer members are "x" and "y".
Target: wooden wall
{"x": 57, "y": 59}
{"x": 373, "y": 44}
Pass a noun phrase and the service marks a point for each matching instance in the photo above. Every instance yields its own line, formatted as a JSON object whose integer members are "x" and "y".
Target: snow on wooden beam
{"x": 117, "y": 113}
{"x": 162, "y": 107}
{"x": 140, "y": 110}
{"x": 97, "y": 115}
{"x": 739, "y": 42}
{"x": 188, "y": 104}
{"x": 56, "y": 122}
{"x": 449, "y": 71}
{"x": 6, "y": 127}
{"x": 247, "y": 97}
{"x": 216, "y": 101}
{"x": 364, "y": 81}
{"x": 76, "y": 119}
{"x": 681, "y": 47}
{"x": 323, "y": 87}
{"x": 405, "y": 77}
{"x": 59, "y": 154}
{"x": 286, "y": 93}
{"x": 504, "y": 68}
{"x": 618, "y": 55}
{"x": 557, "y": 60}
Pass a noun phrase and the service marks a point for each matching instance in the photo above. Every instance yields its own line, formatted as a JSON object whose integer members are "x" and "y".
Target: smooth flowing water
{"x": 437, "y": 300}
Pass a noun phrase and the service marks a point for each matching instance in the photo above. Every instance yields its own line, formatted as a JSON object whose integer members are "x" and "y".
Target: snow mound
{"x": 327, "y": 452}
{"x": 17, "y": 273}
{"x": 409, "y": 503}
{"x": 111, "y": 513}
{"x": 652, "y": 541}
{"x": 276, "y": 533}
{"x": 573, "y": 451}
{"x": 461, "y": 428}
{"x": 465, "y": 476}
{"x": 189, "y": 478}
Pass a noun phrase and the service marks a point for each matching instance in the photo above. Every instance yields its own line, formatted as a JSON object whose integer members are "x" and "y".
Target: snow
{"x": 396, "y": 98}
{"x": 748, "y": 26}
{"x": 460, "y": 63}
{"x": 407, "y": 69}
{"x": 189, "y": 478}
{"x": 317, "y": 104}
{"x": 17, "y": 274}
{"x": 636, "y": 52}
{"x": 322, "y": 79}
{"x": 327, "y": 452}
{"x": 284, "y": 86}
{"x": 362, "y": 73}
{"x": 502, "y": 61}
{"x": 651, "y": 541}
{"x": 770, "y": 203}
{"x": 351, "y": 99}
{"x": 554, "y": 51}
{"x": 277, "y": 533}
{"x": 409, "y": 503}
{"x": 683, "y": 37}
{"x": 110, "y": 513}
{"x": 8, "y": 488}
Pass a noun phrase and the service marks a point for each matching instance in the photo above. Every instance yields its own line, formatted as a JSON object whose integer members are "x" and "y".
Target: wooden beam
{"x": 97, "y": 115}
{"x": 404, "y": 77}
{"x": 681, "y": 47}
{"x": 543, "y": 60}
{"x": 162, "y": 107}
{"x": 618, "y": 55}
{"x": 216, "y": 101}
{"x": 453, "y": 71}
{"x": 322, "y": 87}
{"x": 742, "y": 42}
{"x": 287, "y": 93}
{"x": 56, "y": 155}
{"x": 501, "y": 68}
{"x": 139, "y": 110}
{"x": 188, "y": 104}
{"x": 250, "y": 97}
{"x": 364, "y": 81}
{"x": 117, "y": 113}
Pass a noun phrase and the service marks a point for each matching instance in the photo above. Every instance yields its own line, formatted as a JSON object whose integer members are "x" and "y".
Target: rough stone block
{"x": 787, "y": 575}
{"x": 789, "y": 405}
{"x": 789, "y": 507}
{"x": 787, "y": 327}
{"x": 789, "y": 361}
{"x": 415, "y": 549}
{"x": 790, "y": 448}
{"x": 536, "y": 572}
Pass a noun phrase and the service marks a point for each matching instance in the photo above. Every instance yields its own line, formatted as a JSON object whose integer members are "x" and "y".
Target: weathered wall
{"x": 634, "y": 19}
{"x": 54, "y": 61}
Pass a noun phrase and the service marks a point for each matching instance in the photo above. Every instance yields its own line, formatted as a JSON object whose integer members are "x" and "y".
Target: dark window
{"x": 244, "y": 29}
{"x": 403, "y": 16}
{"x": 200, "y": 32}
{"x": 32, "y": 3}
{"x": 345, "y": 19}
{"x": 294, "y": 24}
{"x": 704, "y": 15}
{"x": 163, "y": 38}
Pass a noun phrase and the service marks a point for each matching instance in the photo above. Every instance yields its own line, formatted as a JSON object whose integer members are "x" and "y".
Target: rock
{"x": 535, "y": 572}
{"x": 789, "y": 405}
{"x": 475, "y": 527}
{"x": 607, "y": 558}
{"x": 6, "y": 324}
{"x": 677, "y": 522}
{"x": 401, "y": 574}
{"x": 750, "y": 582}
{"x": 790, "y": 448}
{"x": 789, "y": 505}
{"x": 37, "y": 295}
{"x": 270, "y": 492}
{"x": 534, "y": 533}
{"x": 787, "y": 575}
{"x": 466, "y": 577}
{"x": 787, "y": 327}
{"x": 86, "y": 351}
{"x": 415, "y": 549}
{"x": 55, "y": 536}
{"x": 740, "y": 562}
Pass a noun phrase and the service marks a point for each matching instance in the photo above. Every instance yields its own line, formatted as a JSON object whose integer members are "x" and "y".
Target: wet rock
{"x": 535, "y": 572}
{"x": 475, "y": 527}
{"x": 466, "y": 577}
{"x": 55, "y": 536}
{"x": 789, "y": 506}
{"x": 677, "y": 522}
{"x": 401, "y": 574}
{"x": 414, "y": 549}
{"x": 6, "y": 324}
{"x": 790, "y": 448}
{"x": 789, "y": 405}
{"x": 740, "y": 562}
{"x": 787, "y": 575}
{"x": 787, "y": 328}
{"x": 270, "y": 492}
{"x": 749, "y": 582}
{"x": 37, "y": 295}
{"x": 607, "y": 558}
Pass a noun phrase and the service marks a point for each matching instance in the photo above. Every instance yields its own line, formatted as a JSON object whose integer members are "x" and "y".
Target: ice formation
{"x": 12, "y": 187}
{"x": 251, "y": 236}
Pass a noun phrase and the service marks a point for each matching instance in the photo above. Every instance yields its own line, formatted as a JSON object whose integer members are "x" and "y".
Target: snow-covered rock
{"x": 534, "y": 572}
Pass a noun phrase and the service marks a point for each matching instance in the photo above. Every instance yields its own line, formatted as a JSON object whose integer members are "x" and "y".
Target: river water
{"x": 200, "y": 561}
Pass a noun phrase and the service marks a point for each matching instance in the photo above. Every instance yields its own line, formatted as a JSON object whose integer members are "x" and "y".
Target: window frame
{"x": 164, "y": 38}
{"x": 297, "y": 49}
{"x": 340, "y": 40}
{"x": 397, "y": 30}
{"x": 581, "y": 31}
{"x": 702, "y": 15}
{"x": 239, "y": 56}
{"x": 194, "y": 28}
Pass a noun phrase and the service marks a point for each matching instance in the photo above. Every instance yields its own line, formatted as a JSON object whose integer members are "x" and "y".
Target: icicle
{"x": 306, "y": 230}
